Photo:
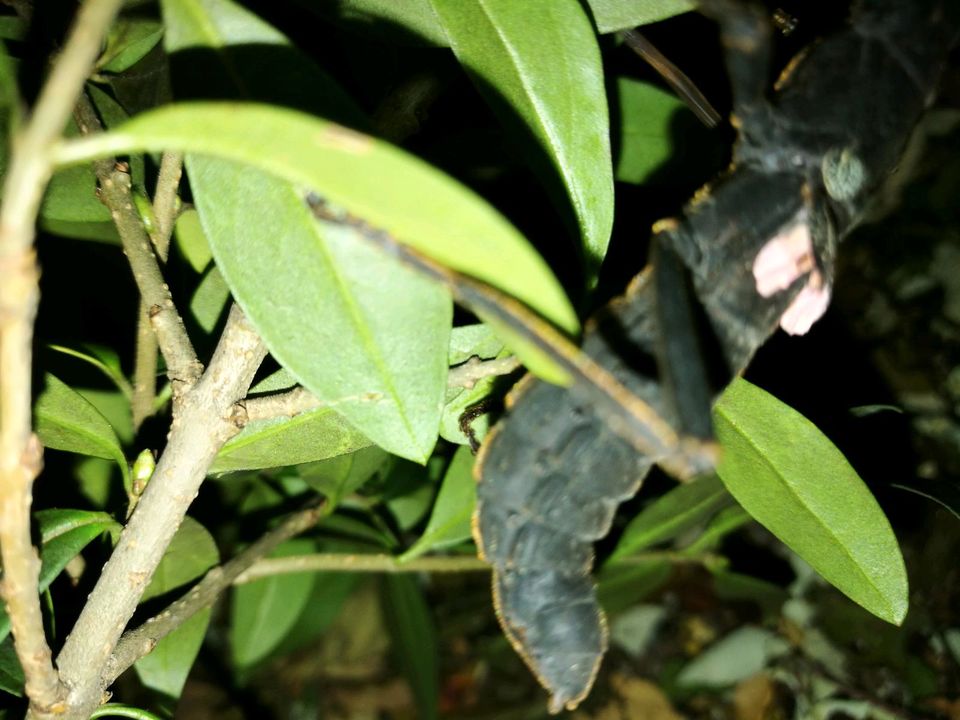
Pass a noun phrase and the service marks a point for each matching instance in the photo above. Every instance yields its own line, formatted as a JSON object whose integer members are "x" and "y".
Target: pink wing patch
{"x": 784, "y": 259}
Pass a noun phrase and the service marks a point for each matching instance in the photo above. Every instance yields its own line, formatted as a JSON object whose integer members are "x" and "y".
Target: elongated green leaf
{"x": 538, "y": 60}
{"x": 263, "y": 611}
{"x": 191, "y": 241}
{"x": 646, "y": 113}
{"x": 330, "y": 591}
{"x": 676, "y": 512}
{"x": 374, "y": 181}
{"x": 623, "y": 585}
{"x": 209, "y": 302}
{"x": 361, "y": 331}
{"x": 11, "y": 674}
{"x": 338, "y": 477}
{"x": 103, "y": 359}
{"x": 449, "y": 522}
{"x": 63, "y": 534}
{"x": 797, "y": 484}
{"x": 611, "y": 15}
{"x": 65, "y": 421}
{"x": 414, "y": 640}
{"x": 128, "y": 41}
{"x": 190, "y": 554}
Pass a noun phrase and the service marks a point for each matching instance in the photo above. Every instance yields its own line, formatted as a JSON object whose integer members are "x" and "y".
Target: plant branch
{"x": 204, "y": 419}
{"x": 379, "y": 563}
{"x": 20, "y": 452}
{"x": 285, "y": 404}
{"x": 183, "y": 367}
{"x": 467, "y": 374}
{"x": 140, "y": 641}
{"x": 145, "y": 357}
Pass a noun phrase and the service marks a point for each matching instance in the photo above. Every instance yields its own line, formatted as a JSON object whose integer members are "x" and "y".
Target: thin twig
{"x": 183, "y": 367}
{"x": 137, "y": 643}
{"x": 467, "y": 374}
{"x": 145, "y": 357}
{"x": 326, "y": 562}
{"x": 204, "y": 419}
{"x": 20, "y": 453}
{"x": 285, "y": 404}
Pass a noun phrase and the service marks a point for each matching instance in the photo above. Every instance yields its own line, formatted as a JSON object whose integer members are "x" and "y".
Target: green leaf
{"x": 209, "y": 300}
{"x": 681, "y": 509}
{"x": 11, "y": 674}
{"x": 330, "y": 591}
{"x": 449, "y": 522}
{"x": 129, "y": 39}
{"x": 459, "y": 401}
{"x": 538, "y": 61}
{"x": 370, "y": 179}
{"x": 414, "y": 640}
{"x": 190, "y": 554}
{"x": 611, "y": 15}
{"x": 103, "y": 359}
{"x": 63, "y": 533}
{"x": 722, "y": 524}
{"x": 167, "y": 666}
{"x": 646, "y": 114}
{"x": 469, "y": 341}
{"x": 797, "y": 484}
{"x": 65, "y": 421}
{"x": 338, "y": 477}
{"x": 624, "y": 585}
{"x": 192, "y": 243}
{"x": 326, "y": 304}
{"x": 742, "y": 653}
{"x": 415, "y": 16}
{"x": 264, "y": 611}
{"x": 234, "y": 53}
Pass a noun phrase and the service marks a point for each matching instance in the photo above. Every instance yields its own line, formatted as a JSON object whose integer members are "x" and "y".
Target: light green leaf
{"x": 611, "y": 15}
{"x": 797, "y": 484}
{"x": 264, "y": 611}
{"x": 370, "y": 179}
{"x": 449, "y": 522}
{"x": 115, "y": 407}
{"x": 681, "y": 509}
{"x": 192, "y": 243}
{"x": 63, "y": 534}
{"x": 359, "y": 330}
{"x": 414, "y": 640}
{"x": 742, "y": 653}
{"x": 65, "y": 421}
{"x": 190, "y": 554}
{"x": 646, "y": 114}
{"x": 11, "y": 674}
{"x": 469, "y": 341}
{"x": 539, "y": 61}
{"x": 722, "y": 524}
{"x": 129, "y": 39}
{"x": 209, "y": 300}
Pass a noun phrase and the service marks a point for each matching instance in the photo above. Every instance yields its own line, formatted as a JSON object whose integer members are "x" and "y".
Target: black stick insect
{"x": 756, "y": 248}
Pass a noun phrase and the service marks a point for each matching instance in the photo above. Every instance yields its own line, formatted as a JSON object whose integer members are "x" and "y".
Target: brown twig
{"x": 325, "y": 562}
{"x": 137, "y": 643}
{"x": 285, "y": 404}
{"x": 467, "y": 374}
{"x": 20, "y": 453}
{"x": 206, "y": 416}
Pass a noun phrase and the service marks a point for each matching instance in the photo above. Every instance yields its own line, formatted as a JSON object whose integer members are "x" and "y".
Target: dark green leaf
{"x": 167, "y": 666}
{"x": 734, "y": 587}
{"x": 538, "y": 61}
{"x": 190, "y": 554}
{"x": 414, "y": 640}
{"x": 797, "y": 484}
{"x": 129, "y": 39}
{"x": 64, "y": 533}
{"x": 414, "y": 16}
{"x": 611, "y": 15}
{"x": 722, "y": 524}
{"x": 449, "y": 522}
{"x": 65, "y": 421}
{"x": 103, "y": 359}
{"x": 326, "y": 304}
{"x": 681, "y": 509}
{"x": 330, "y": 591}
{"x": 338, "y": 477}
{"x": 11, "y": 674}
{"x": 646, "y": 114}
{"x": 264, "y": 611}
{"x": 944, "y": 492}
{"x": 370, "y": 179}
{"x": 623, "y": 585}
